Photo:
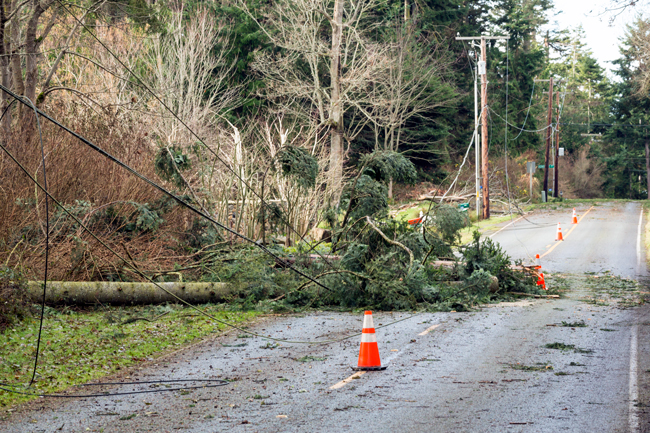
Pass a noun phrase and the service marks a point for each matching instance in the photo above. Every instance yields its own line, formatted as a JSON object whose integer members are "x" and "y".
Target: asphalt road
{"x": 485, "y": 371}
{"x": 607, "y": 238}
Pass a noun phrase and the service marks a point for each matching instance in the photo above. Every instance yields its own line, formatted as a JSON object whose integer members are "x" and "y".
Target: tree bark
{"x": 116, "y": 293}
{"x": 15, "y": 66}
{"x": 336, "y": 109}
{"x": 31, "y": 45}
{"x": 5, "y": 77}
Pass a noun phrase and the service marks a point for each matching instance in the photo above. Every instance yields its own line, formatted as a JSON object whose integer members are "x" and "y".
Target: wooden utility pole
{"x": 647, "y": 160}
{"x": 484, "y": 134}
{"x": 549, "y": 131}
{"x": 482, "y": 71}
{"x": 556, "y": 178}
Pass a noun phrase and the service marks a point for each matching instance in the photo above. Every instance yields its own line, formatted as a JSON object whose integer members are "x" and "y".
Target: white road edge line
{"x": 638, "y": 242}
{"x": 344, "y": 382}
{"x": 429, "y": 329}
{"x": 507, "y": 225}
{"x": 633, "y": 417}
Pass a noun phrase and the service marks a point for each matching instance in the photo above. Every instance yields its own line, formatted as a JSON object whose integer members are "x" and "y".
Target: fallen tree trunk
{"x": 116, "y": 293}
{"x": 530, "y": 270}
{"x": 452, "y": 198}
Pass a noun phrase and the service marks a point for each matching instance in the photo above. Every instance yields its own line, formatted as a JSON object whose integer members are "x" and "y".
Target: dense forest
{"x": 237, "y": 140}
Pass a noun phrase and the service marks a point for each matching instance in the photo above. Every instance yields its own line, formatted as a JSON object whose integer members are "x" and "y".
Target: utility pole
{"x": 556, "y": 177}
{"x": 482, "y": 71}
{"x": 476, "y": 148}
{"x": 484, "y": 133}
{"x": 647, "y": 159}
{"x": 548, "y": 137}
{"x": 548, "y": 134}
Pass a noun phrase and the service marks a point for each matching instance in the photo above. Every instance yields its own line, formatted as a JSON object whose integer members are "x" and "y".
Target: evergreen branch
{"x": 308, "y": 283}
{"x": 392, "y": 242}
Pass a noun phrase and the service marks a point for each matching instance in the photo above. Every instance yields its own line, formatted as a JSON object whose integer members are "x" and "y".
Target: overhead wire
{"x": 165, "y": 191}
{"x": 530, "y": 103}
{"x": 460, "y": 168}
{"x": 133, "y": 268}
{"x": 518, "y": 128}
{"x": 47, "y": 241}
{"x": 143, "y": 85}
{"x": 505, "y": 141}
{"x": 207, "y": 383}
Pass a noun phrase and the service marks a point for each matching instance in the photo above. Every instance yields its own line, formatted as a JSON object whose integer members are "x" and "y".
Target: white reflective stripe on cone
{"x": 367, "y": 321}
{"x": 368, "y": 338}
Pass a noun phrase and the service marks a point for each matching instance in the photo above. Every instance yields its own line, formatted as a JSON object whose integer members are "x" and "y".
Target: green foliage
{"x": 14, "y": 304}
{"x": 299, "y": 165}
{"x": 623, "y": 147}
{"x": 170, "y": 163}
{"x": 384, "y": 263}
{"x": 479, "y": 281}
{"x": 366, "y": 197}
{"x": 146, "y": 219}
{"x": 272, "y": 214}
{"x": 382, "y": 166}
{"x": 488, "y": 256}
{"x": 449, "y": 221}
{"x": 252, "y": 276}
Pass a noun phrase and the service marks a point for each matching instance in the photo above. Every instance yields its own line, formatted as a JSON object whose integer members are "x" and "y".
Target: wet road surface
{"x": 607, "y": 238}
{"x": 485, "y": 371}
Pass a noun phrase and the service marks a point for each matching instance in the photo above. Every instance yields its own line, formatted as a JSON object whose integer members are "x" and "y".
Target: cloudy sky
{"x": 601, "y": 36}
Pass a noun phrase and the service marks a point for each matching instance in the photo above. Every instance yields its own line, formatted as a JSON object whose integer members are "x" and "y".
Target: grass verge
{"x": 80, "y": 346}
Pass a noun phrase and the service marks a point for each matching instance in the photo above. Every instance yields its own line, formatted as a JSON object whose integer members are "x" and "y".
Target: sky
{"x": 601, "y": 36}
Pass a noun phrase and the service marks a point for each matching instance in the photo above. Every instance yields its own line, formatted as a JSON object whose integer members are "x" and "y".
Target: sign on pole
{"x": 530, "y": 167}
{"x": 481, "y": 67}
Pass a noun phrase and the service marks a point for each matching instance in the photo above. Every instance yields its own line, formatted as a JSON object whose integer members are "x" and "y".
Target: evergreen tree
{"x": 624, "y": 150}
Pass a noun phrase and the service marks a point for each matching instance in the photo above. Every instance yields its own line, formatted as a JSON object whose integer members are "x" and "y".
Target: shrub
{"x": 14, "y": 304}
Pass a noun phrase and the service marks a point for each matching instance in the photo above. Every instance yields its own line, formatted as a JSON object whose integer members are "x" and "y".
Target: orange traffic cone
{"x": 575, "y": 217}
{"x": 559, "y": 233}
{"x": 537, "y": 264}
{"x": 540, "y": 281}
{"x": 369, "y": 351}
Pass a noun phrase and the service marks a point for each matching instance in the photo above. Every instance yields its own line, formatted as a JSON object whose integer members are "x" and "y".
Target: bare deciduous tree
{"x": 24, "y": 25}
{"x": 638, "y": 48}
{"x": 324, "y": 56}
{"x": 410, "y": 84}
{"x": 191, "y": 75}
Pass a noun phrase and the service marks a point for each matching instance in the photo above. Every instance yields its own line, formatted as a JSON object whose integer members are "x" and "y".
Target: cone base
{"x": 381, "y": 367}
